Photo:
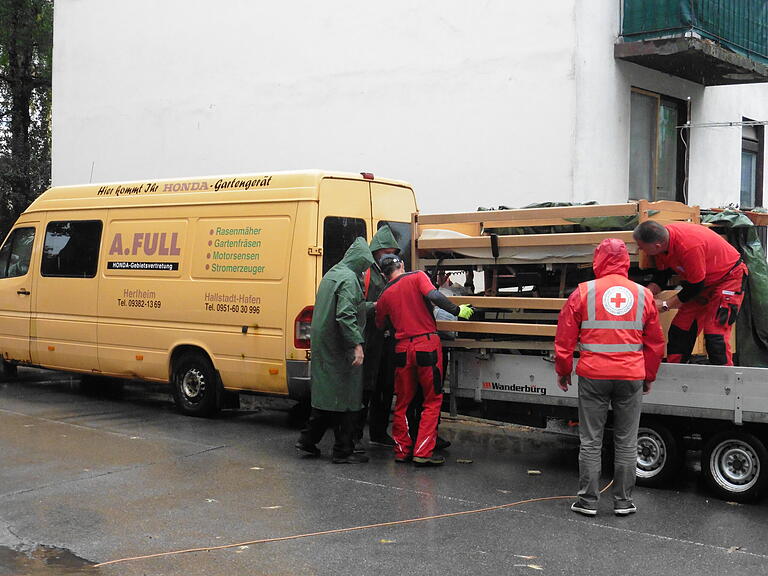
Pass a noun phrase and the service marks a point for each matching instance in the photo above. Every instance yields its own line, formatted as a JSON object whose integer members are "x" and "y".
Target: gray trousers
{"x": 625, "y": 397}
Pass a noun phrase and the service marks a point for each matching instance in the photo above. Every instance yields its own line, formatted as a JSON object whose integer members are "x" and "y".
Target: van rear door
{"x": 394, "y": 205}
{"x": 16, "y": 290}
{"x": 344, "y": 214}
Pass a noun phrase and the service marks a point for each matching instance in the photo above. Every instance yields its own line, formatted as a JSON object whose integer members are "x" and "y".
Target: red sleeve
{"x": 694, "y": 261}
{"x": 653, "y": 338}
{"x": 424, "y": 283}
{"x": 567, "y": 335}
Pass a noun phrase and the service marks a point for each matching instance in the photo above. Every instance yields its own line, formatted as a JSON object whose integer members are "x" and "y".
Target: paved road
{"x": 86, "y": 479}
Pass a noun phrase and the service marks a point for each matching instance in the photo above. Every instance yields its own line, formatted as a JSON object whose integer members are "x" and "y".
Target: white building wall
{"x": 485, "y": 103}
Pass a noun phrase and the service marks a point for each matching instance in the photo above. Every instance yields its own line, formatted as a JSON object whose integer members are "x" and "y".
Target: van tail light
{"x": 301, "y": 328}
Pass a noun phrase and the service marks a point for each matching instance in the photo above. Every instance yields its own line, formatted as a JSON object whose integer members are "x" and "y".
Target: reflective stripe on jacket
{"x": 621, "y": 342}
{"x": 611, "y": 335}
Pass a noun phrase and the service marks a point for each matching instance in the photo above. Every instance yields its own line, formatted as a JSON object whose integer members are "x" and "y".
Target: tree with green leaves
{"x": 26, "y": 43}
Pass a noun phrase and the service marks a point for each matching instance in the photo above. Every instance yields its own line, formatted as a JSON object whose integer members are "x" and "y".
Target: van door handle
{"x": 23, "y": 292}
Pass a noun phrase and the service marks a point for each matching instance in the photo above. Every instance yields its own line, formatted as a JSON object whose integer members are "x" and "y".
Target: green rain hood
{"x": 374, "y": 338}
{"x": 338, "y": 323}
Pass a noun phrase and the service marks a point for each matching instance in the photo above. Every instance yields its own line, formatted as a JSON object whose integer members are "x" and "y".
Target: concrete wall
{"x": 485, "y": 103}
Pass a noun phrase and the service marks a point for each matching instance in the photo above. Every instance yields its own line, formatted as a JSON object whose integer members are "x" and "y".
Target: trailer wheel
{"x": 195, "y": 385}
{"x": 659, "y": 454}
{"x": 733, "y": 463}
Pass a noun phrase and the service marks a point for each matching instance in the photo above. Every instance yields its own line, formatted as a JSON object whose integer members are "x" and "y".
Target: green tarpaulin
{"x": 752, "y": 325}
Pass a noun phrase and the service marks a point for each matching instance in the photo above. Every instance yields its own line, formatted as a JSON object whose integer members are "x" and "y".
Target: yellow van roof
{"x": 266, "y": 187}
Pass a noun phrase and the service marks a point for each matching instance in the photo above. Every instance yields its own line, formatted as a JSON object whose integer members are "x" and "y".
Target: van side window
{"x": 16, "y": 253}
{"x": 71, "y": 249}
{"x": 338, "y": 235}
{"x": 402, "y": 232}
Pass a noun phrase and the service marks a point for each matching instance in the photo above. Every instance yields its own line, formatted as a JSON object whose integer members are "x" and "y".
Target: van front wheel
{"x": 195, "y": 385}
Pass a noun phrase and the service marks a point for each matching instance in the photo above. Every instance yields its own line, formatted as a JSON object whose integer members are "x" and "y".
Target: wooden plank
{"x": 465, "y": 343}
{"x": 674, "y": 216}
{"x": 415, "y": 265}
{"x": 669, "y": 211}
{"x": 521, "y": 316}
{"x": 510, "y": 302}
{"x": 456, "y": 264}
{"x": 531, "y": 223}
{"x": 497, "y": 328}
{"x": 468, "y": 228}
{"x": 530, "y": 213}
{"x": 568, "y": 239}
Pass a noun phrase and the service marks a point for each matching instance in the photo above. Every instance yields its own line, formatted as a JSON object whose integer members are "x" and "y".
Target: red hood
{"x": 611, "y": 257}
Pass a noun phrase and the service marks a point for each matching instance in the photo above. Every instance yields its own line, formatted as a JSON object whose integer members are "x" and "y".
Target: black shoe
{"x": 442, "y": 443}
{"x": 359, "y": 448}
{"x": 351, "y": 459}
{"x": 625, "y": 509}
{"x": 403, "y": 459}
{"x": 431, "y": 461}
{"x": 306, "y": 451}
{"x": 583, "y": 510}
{"x": 385, "y": 440}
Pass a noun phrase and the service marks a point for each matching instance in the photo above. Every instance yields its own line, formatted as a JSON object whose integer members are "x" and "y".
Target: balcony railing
{"x": 728, "y": 34}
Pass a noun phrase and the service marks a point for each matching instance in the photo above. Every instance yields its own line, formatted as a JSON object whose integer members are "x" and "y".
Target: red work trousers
{"x": 418, "y": 362}
{"x": 713, "y": 311}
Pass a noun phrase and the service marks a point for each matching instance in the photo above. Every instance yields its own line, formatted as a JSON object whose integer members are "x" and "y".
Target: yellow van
{"x": 206, "y": 283}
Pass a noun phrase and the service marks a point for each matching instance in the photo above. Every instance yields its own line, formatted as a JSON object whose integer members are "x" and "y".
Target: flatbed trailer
{"x": 502, "y": 367}
{"x": 726, "y": 406}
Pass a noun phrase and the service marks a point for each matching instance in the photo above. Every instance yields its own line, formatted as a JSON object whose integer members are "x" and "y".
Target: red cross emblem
{"x": 618, "y": 300}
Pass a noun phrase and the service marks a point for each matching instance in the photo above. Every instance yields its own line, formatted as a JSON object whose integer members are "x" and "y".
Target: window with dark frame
{"x": 16, "y": 253}
{"x": 752, "y": 155}
{"x": 71, "y": 249}
{"x": 656, "y": 147}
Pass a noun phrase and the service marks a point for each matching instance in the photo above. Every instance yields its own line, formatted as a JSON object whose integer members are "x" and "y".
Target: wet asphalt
{"x": 90, "y": 478}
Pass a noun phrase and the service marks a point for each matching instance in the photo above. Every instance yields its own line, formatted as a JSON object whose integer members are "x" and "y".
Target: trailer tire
{"x": 659, "y": 454}
{"x": 733, "y": 463}
{"x": 196, "y": 385}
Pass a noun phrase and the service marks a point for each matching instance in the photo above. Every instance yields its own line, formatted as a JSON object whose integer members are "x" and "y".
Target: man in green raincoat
{"x": 337, "y": 340}
{"x": 378, "y": 372}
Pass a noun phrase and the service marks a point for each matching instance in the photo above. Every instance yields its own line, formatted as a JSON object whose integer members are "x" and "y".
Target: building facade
{"x": 476, "y": 104}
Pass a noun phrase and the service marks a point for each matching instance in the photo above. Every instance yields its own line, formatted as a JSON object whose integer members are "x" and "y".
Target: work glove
{"x": 465, "y": 311}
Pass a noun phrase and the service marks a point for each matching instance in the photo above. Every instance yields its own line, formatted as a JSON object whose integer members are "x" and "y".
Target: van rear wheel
{"x": 195, "y": 385}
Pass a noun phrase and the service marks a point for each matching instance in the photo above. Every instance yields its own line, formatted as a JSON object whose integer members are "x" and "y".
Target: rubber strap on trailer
{"x": 495, "y": 245}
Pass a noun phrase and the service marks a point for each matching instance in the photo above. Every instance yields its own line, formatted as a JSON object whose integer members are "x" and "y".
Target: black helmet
{"x": 389, "y": 262}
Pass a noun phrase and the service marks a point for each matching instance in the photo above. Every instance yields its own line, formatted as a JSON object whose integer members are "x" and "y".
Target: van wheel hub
{"x": 193, "y": 384}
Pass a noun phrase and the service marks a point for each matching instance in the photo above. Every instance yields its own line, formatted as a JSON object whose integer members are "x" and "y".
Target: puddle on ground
{"x": 43, "y": 561}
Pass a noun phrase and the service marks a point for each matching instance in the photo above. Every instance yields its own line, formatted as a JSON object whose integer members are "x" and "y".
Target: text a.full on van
{"x": 207, "y": 283}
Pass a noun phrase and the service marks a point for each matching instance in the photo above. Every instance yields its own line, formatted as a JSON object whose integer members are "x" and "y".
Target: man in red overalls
{"x": 713, "y": 278}
{"x": 406, "y": 303}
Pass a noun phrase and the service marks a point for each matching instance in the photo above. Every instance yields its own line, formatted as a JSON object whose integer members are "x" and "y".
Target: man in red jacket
{"x": 616, "y": 325}
{"x": 407, "y": 303}
{"x": 713, "y": 276}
